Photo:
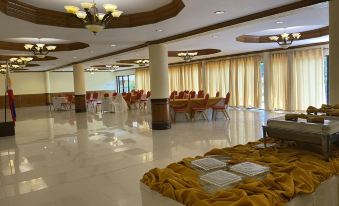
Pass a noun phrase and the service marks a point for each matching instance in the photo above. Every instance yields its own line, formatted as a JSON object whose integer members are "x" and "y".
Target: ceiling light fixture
{"x": 187, "y": 56}
{"x": 93, "y": 20}
{"x": 159, "y": 30}
{"x": 20, "y": 61}
{"x": 114, "y": 68}
{"x": 142, "y": 62}
{"x": 113, "y": 45}
{"x": 285, "y": 40}
{"x": 92, "y": 70}
{"x": 219, "y": 12}
{"x": 40, "y": 50}
{"x": 279, "y": 22}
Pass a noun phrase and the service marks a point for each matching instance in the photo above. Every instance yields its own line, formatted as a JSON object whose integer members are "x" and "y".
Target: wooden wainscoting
{"x": 27, "y": 100}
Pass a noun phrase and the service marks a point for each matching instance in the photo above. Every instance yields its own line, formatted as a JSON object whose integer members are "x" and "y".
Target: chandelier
{"x": 93, "y": 20}
{"x": 187, "y": 56}
{"x": 40, "y": 50}
{"x": 285, "y": 40}
{"x": 112, "y": 68}
{"x": 92, "y": 70}
{"x": 9, "y": 65}
{"x": 142, "y": 62}
{"x": 21, "y": 61}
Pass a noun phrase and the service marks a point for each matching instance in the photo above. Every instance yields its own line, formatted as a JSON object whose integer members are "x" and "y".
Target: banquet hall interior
{"x": 120, "y": 102}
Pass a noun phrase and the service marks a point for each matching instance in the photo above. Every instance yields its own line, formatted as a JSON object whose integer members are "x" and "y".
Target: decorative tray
{"x": 249, "y": 169}
{"x": 221, "y": 178}
{"x": 208, "y": 163}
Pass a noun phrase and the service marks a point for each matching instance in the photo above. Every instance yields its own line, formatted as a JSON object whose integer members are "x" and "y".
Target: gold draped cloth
{"x": 189, "y": 103}
{"x": 293, "y": 172}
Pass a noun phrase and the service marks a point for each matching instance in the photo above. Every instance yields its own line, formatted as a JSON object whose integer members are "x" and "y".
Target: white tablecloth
{"x": 325, "y": 195}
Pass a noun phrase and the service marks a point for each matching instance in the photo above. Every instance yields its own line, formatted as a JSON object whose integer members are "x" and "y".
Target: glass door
{"x": 125, "y": 83}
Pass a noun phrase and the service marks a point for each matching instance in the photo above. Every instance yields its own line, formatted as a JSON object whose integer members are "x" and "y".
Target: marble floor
{"x": 68, "y": 159}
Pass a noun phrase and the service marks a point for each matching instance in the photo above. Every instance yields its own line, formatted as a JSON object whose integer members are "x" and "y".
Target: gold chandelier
{"x": 20, "y": 61}
{"x": 40, "y": 50}
{"x": 93, "y": 20}
{"x": 142, "y": 62}
{"x": 112, "y": 68}
{"x": 187, "y": 56}
{"x": 285, "y": 40}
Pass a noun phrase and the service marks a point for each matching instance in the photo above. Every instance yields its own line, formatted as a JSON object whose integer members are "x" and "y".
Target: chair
{"x": 180, "y": 110}
{"x": 181, "y": 95}
{"x": 222, "y": 108}
{"x": 201, "y": 94}
{"x": 201, "y": 108}
{"x": 172, "y": 95}
{"x": 217, "y": 94}
{"x": 143, "y": 101}
{"x": 128, "y": 99}
{"x": 136, "y": 100}
{"x": 114, "y": 94}
{"x": 192, "y": 94}
{"x": 68, "y": 104}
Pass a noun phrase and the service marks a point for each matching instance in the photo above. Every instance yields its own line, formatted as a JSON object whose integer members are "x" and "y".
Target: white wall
{"x": 99, "y": 81}
{"x": 25, "y": 83}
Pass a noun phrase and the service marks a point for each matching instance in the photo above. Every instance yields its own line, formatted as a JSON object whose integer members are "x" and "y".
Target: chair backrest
{"x": 106, "y": 95}
{"x": 217, "y": 94}
{"x": 207, "y": 97}
{"x": 115, "y": 94}
{"x": 69, "y": 98}
{"x": 148, "y": 94}
{"x": 192, "y": 94}
{"x": 227, "y": 99}
{"x": 95, "y": 95}
{"x": 88, "y": 96}
{"x": 142, "y": 92}
{"x": 172, "y": 95}
{"x": 139, "y": 94}
{"x": 175, "y": 92}
{"x": 181, "y": 95}
{"x": 201, "y": 94}
{"x": 128, "y": 97}
{"x": 124, "y": 93}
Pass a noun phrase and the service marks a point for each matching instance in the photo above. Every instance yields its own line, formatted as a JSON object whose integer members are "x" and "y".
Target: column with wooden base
{"x": 158, "y": 55}
{"x": 334, "y": 52}
{"x": 79, "y": 88}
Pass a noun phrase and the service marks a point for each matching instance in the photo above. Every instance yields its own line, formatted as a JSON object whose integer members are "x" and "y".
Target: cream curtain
{"x": 278, "y": 88}
{"x": 142, "y": 77}
{"x": 185, "y": 77}
{"x": 308, "y": 84}
{"x": 296, "y": 79}
{"x": 239, "y": 76}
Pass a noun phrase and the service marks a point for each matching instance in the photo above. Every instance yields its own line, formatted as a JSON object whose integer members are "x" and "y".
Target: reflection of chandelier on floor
{"x": 187, "y": 56}
{"x": 285, "y": 40}
{"x": 142, "y": 62}
{"x": 94, "y": 20}
{"x": 40, "y": 50}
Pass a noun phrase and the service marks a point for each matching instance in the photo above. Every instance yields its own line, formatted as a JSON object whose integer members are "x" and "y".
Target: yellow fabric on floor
{"x": 293, "y": 172}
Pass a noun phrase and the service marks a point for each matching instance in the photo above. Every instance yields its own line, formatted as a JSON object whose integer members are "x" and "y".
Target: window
{"x": 125, "y": 83}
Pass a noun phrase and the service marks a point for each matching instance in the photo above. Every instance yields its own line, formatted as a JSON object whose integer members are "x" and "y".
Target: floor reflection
{"x": 63, "y": 158}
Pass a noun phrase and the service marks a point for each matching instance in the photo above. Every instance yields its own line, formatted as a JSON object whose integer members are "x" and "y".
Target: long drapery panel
{"x": 239, "y": 76}
{"x": 185, "y": 77}
{"x": 142, "y": 77}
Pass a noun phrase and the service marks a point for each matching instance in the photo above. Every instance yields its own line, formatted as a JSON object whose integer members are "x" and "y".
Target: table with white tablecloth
{"x": 58, "y": 101}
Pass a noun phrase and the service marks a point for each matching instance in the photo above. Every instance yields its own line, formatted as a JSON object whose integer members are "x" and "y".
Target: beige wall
{"x": 25, "y": 83}
{"x": 99, "y": 81}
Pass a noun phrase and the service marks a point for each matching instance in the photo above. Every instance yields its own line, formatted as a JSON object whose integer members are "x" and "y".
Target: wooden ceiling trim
{"x": 27, "y": 12}
{"x": 59, "y": 47}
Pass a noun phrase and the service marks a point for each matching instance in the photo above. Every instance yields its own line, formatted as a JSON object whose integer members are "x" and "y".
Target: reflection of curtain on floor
{"x": 239, "y": 76}
{"x": 297, "y": 79}
{"x": 142, "y": 78}
{"x": 185, "y": 77}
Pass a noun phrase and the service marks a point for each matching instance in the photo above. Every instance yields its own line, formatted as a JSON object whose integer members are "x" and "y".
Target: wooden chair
{"x": 181, "y": 95}
{"x": 223, "y": 108}
{"x": 192, "y": 95}
{"x": 201, "y": 108}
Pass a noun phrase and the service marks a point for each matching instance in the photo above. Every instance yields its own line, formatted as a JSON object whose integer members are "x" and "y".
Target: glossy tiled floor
{"x": 68, "y": 159}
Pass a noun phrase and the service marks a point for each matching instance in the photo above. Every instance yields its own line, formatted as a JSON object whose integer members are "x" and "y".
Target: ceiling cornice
{"x": 251, "y": 17}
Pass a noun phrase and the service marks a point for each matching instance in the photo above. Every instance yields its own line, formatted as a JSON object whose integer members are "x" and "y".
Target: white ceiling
{"x": 223, "y": 39}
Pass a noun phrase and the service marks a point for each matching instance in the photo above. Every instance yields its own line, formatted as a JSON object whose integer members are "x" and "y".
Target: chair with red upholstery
{"x": 201, "y": 94}
{"x": 68, "y": 105}
{"x": 128, "y": 99}
{"x": 180, "y": 110}
{"x": 222, "y": 108}
{"x": 143, "y": 101}
{"x": 115, "y": 94}
{"x": 201, "y": 108}
{"x": 172, "y": 95}
{"x": 217, "y": 94}
{"x": 181, "y": 95}
{"x": 192, "y": 95}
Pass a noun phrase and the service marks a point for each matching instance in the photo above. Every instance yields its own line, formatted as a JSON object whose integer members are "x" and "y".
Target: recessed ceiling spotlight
{"x": 279, "y": 22}
{"x": 75, "y": 57}
{"x": 137, "y": 54}
{"x": 159, "y": 30}
{"x": 219, "y": 12}
{"x": 215, "y": 36}
{"x": 113, "y": 45}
